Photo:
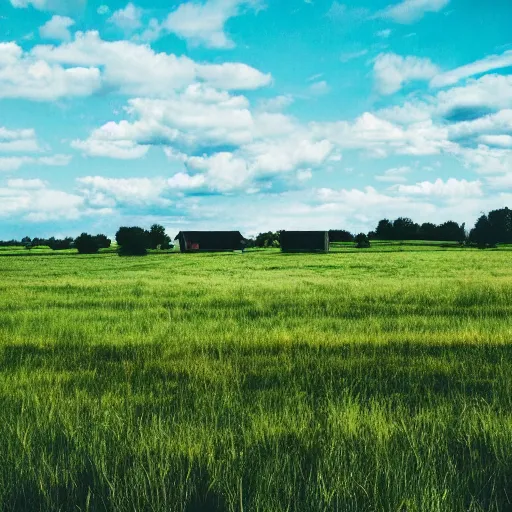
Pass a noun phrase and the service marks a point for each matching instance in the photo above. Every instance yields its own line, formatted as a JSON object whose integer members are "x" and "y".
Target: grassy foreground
{"x": 362, "y": 381}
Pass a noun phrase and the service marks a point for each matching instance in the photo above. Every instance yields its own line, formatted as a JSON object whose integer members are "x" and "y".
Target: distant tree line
{"x": 404, "y": 228}
{"x": 131, "y": 241}
{"x": 490, "y": 229}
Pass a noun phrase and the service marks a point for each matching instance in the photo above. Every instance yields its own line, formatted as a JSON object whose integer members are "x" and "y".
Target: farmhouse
{"x": 304, "y": 241}
{"x": 210, "y": 241}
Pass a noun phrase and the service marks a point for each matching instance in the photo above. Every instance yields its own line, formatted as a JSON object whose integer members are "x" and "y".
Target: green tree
{"x": 158, "y": 238}
{"x": 86, "y": 244}
{"x": 362, "y": 241}
{"x": 133, "y": 241}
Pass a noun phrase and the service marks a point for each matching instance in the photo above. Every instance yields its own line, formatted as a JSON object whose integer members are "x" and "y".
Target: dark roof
{"x": 208, "y": 234}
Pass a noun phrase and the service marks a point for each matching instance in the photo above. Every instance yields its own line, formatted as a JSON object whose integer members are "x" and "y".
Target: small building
{"x": 210, "y": 241}
{"x": 304, "y": 241}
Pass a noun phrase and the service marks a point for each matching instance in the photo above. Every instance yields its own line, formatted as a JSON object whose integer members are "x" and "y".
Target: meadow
{"x": 360, "y": 380}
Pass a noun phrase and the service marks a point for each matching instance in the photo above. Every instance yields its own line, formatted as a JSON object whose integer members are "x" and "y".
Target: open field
{"x": 353, "y": 381}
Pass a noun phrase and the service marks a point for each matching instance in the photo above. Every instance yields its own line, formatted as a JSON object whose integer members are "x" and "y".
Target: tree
{"x": 481, "y": 234}
{"x": 86, "y": 244}
{"x": 362, "y": 241}
{"x": 60, "y": 245}
{"x": 133, "y": 241}
{"x": 494, "y": 228}
{"x": 268, "y": 239}
{"x": 405, "y": 229}
{"x": 384, "y": 230}
{"x": 158, "y": 237}
{"x": 103, "y": 241}
{"x": 340, "y": 235}
{"x": 428, "y": 231}
{"x": 450, "y": 231}
{"x": 501, "y": 225}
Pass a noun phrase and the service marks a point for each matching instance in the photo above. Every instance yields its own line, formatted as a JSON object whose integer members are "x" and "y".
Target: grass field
{"x": 353, "y": 381}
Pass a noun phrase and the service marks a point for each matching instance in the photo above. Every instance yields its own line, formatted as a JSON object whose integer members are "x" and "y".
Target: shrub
{"x": 362, "y": 241}
{"x": 87, "y": 244}
{"x": 132, "y": 241}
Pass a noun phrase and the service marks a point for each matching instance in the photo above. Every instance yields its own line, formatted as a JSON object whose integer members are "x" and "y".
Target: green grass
{"x": 352, "y": 381}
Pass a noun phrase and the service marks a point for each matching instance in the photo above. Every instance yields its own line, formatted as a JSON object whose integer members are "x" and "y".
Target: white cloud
{"x": 380, "y": 137}
{"x": 485, "y": 160}
{"x": 489, "y": 92}
{"x": 33, "y": 201}
{"x": 99, "y": 144}
{"x": 202, "y": 23}
{"x": 480, "y": 66}
{"x": 304, "y": 175}
{"x": 136, "y": 69}
{"x": 319, "y": 88}
{"x": 233, "y": 76}
{"x": 136, "y": 191}
{"x": 13, "y": 163}
{"x": 276, "y": 104}
{"x": 503, "y": 141}
{"x": 410, "y": 11}
{"x": 197, "y": 118}
{"x": 24, "y": 76}
{"x": 128, "y": 19}
{"x": 500, "y": 182}
{"x": 449, "y": 189}
{"x": 392, "y": 71}
{"x": 27, "y": 184}
{"x": 395, "y": 175}
{"x": 497, "y": 124}
{"x": 57, "y": 28}
{"x": 18, "y": 141}
{"x": 59, "y": 6}
{"x": 103, "y": 9}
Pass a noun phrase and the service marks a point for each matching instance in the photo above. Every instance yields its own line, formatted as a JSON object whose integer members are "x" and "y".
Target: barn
{"x": 210, "y": 241}
{"x": 304, "y": 241}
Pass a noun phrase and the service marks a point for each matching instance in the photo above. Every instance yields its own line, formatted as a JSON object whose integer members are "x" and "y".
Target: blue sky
{"x": 252, "y": 114}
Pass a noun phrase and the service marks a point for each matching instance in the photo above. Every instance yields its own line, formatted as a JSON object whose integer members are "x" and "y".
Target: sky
{"x": 252, "y": 115}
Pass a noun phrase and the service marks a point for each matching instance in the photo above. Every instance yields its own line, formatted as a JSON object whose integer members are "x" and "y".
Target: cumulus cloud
{"x": 193, "y": 125}
{"x": 135, "y": 69}
{"x": 484, "y": 159}
{"x": 33, "y": 201}
{"x": 18, "y": 141}
{"x": 393, "y": 71}
{"x": 137, "y": 191}
{"x": 380, "y": 137}
{"x": 128, "y": 19}
{"x": 202, "y": 23}
{"x": 57, "y": 28}
{"x": 410, "y": 11}
{"x": 25, "y": 76}
{"x": 449, "y": 189}
{"x": 503, "y": 141}
{"x": 494, "y": 124}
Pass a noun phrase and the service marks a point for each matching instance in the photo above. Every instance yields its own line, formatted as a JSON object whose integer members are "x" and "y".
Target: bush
{"x": 362, "y": 241}
{"x": 133, "y": 241}
{"x": 87, "y": 244}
